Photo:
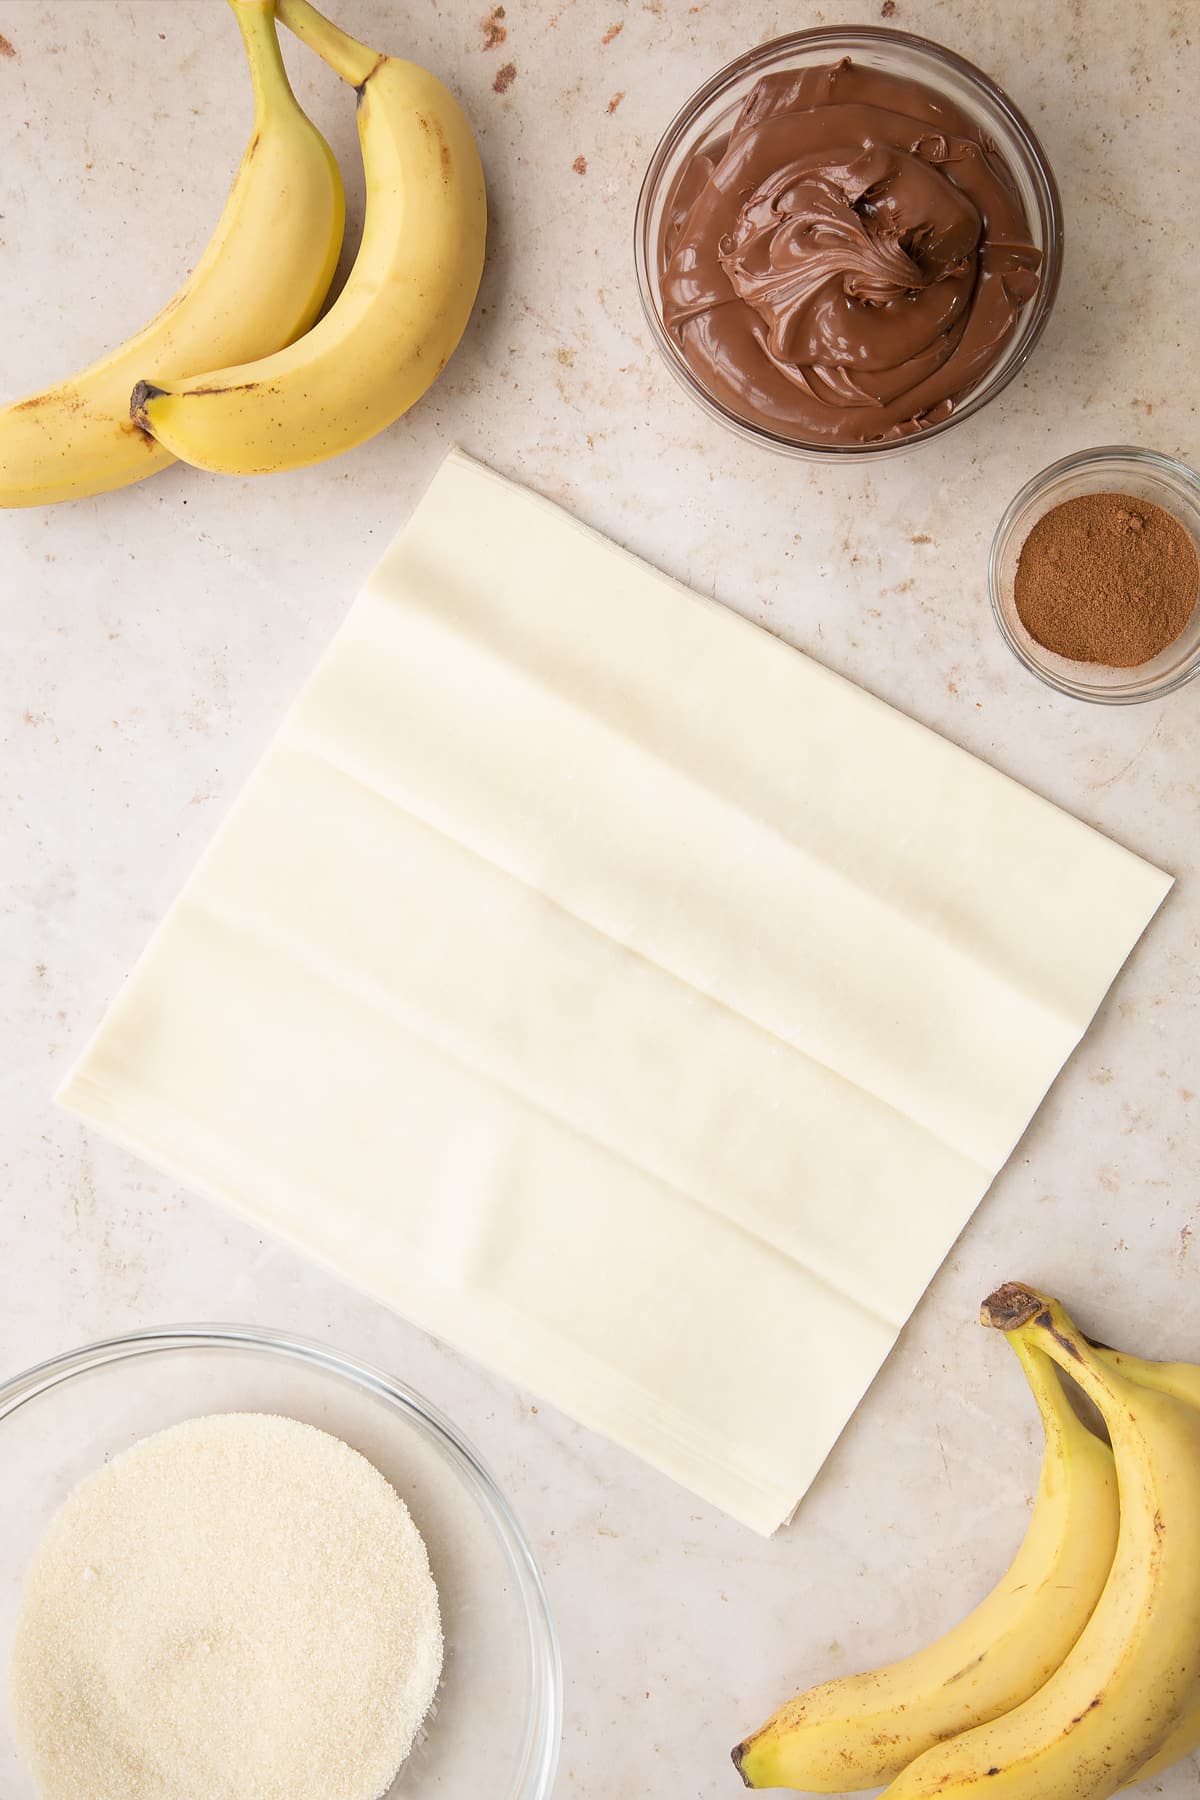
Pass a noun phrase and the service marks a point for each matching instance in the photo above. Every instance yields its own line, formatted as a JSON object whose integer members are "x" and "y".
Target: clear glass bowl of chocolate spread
{"x": 847, "y": 241}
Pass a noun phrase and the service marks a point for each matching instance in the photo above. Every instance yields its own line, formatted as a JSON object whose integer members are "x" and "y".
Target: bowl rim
{"x": 1099, "y": 457}
{"x": 542, "y": 1733}
{"x": 833, "y": 36}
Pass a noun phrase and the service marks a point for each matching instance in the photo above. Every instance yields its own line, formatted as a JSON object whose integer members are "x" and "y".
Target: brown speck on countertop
{"x": 920, "y": 537}
{"x": 505, "y": 77}
{"x": 493, "y": 28}
{"x": 580, "y": 165}
{"x": 616, "y": 101}
{"x": 6, "y": 48}
{"x": 888, "y": 9}
{"x": 566, "y": 358}
{"x": 614, "y": 31}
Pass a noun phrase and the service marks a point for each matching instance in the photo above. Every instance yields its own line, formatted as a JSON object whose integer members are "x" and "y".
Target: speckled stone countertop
{"x": 150, "y": 640}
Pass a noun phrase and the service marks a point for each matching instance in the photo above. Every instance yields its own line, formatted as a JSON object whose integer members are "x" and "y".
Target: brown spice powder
{"x": 1107, "y": 578}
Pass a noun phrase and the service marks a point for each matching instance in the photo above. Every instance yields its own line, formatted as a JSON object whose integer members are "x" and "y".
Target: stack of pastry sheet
{"x": 614, "y": 991}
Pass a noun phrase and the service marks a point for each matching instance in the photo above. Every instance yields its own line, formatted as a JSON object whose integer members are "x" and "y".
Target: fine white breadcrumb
{"x": 239, "y": 1608}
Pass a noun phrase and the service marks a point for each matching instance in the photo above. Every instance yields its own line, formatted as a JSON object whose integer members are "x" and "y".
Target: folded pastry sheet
{"x": 614, "y": 991}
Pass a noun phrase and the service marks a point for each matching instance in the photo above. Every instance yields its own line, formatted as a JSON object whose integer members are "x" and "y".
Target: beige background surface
{"x": 150, "y": 640}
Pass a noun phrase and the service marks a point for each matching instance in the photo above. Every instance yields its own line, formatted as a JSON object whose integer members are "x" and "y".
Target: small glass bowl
{"x": 1113, "y": 469}
{"x": 711, "y": 112}
{"x": 497, "y": 1717}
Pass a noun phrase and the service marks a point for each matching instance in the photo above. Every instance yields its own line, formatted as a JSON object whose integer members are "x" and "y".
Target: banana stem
{"x": 1026, "y": 1316}
{"x": 354, "y": 62}
{"x": 256, "y": 22}
{"x": 1011, "y": 1306}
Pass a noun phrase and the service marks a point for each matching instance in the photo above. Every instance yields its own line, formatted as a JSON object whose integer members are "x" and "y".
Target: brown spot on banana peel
{"x": 966, "y": 1669}
{"x": 131, "y": 428}
{"x": 436, "y": 131}
{"x": 72, "y": 403}
{"x": 736, "y": 1754}
{"x": 1045, "y": 1323}
{"x": 233, "y": 387}
{"x": 145, "y": 391}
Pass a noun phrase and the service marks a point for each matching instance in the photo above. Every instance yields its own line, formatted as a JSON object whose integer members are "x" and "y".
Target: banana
{"x": 403, "y": 310}
{"x": 861, "y": 1731}
{"x": 1134, "y": 1672}
{"x": 260, "y": 283}
{"x": 1183, "y": 1381}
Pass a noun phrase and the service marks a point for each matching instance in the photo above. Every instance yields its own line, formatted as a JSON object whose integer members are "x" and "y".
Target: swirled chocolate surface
{"x": 850, "y": 261}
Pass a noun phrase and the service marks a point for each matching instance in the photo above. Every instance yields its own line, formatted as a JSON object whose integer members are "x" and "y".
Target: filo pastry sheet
{"x": 614, "y": 992}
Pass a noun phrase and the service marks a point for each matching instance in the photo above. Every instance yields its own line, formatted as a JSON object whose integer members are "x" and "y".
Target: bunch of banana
{"x": 404, "y": 307}
{"x": 234, "y": 375}
{"x": 260, "y": 283}
{"x": 1080, "y": 1674}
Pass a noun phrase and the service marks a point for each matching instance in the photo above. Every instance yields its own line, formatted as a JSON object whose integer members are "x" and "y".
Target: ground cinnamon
{"x": 1107, "y": 578}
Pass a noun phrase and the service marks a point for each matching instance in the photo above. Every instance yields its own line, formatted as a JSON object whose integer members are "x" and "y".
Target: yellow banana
{"x": 260, "y": 282}
{"x": 1134, "y": 1672}
{"x": 860, "y": 1731}
{"x": 405, "y": 305}
{"x": 1183, "y": 1381}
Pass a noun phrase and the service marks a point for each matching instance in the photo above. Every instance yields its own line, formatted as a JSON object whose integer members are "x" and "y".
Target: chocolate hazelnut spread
{"x": 849, "y": 262}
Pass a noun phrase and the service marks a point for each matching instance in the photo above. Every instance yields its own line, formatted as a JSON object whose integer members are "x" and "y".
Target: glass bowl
{"x": 497, "y": 1716}
{"x": 710, "y": 113}
{"x": 1115, "y": 468}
